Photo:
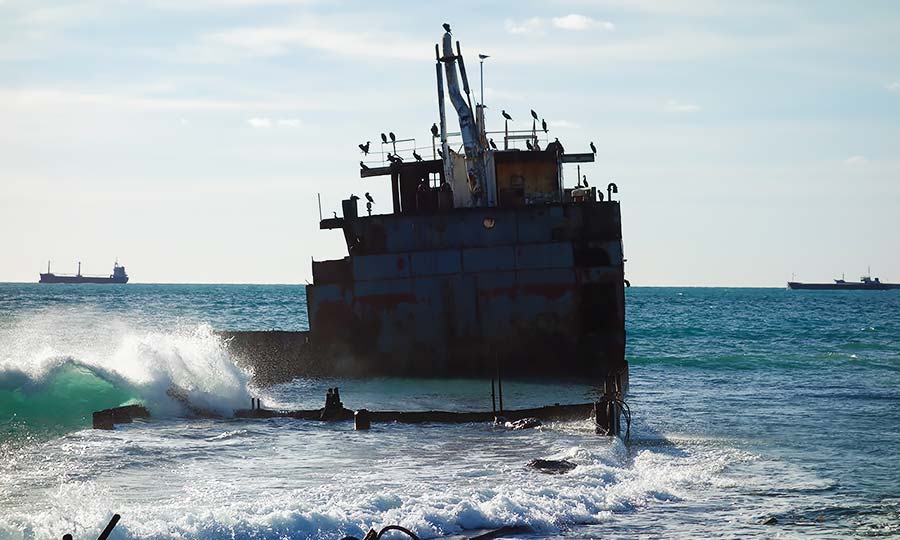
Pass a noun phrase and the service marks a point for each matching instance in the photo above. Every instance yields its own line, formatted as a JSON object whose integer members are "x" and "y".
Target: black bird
{"x": 559, "y": 146}
{"x": 397, "y": 158}
{"x": 434, "y": 130}
{"x": 534, "y": 114}
{"x": 390, "y": 157}
{"x": 353, "y": 198}
{"x": 335, "y": 214}
{"x": 440, "y": 153}
{"x": 528, "y": 144}
{"x": 537, "y": 146}
{"x": 417, "y": 156}
{"x": 494, "y": 146}
{"x": 593, "y": 148}
{"x": 506, "y": 115}
{"x": 392, "y": 136}
{"x": 369, "y": 198}
{"x": 365, "y": 148}
{"x": 384, "y": 138}
{"x": 363, "y": 166}
{"x": 586, "y": 182}
{"x": 446, "y": 27}
{"x": 544, "y": 125}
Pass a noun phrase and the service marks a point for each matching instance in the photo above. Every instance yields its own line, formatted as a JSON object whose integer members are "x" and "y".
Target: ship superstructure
{"x": 486, "y": 261}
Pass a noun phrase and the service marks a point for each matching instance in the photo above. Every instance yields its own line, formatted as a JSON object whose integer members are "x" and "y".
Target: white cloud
{"x": 580, "y": 22}
{"x": 856, "y": 160}
{"x": 260, "y": 122}
{"x": 38, "y": 98}
{"x": 675, "y": 106}
{"x": 894, "y": 86}
{"x": 534, "y": 25}
{"x": 279, "y": 40}
{"x": 563, "y": 124}
{"x": 266, "y": 122}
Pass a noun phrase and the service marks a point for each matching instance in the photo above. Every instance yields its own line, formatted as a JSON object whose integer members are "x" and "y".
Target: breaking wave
{"x": 46, "y": 391}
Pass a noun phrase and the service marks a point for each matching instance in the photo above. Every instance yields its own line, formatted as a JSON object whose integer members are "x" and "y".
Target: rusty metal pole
{"x": 500, "y": 384}
{"x": 109, "y": 527}
{"x": 362, "y": 420}
{"x": 448, "y": 164}
{"x": 493, "y": 398}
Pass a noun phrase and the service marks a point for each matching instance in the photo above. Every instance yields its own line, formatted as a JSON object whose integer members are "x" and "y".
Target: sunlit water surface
{"x": 749, "y": 404}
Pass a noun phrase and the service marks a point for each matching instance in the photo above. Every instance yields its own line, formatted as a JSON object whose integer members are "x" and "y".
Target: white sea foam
{"x": 51, "y": 382}
{"x": 428, "y": 493}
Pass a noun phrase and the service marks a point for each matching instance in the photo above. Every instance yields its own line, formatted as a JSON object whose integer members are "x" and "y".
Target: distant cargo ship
{"x": 118, "y": 276}
{"x": 865, "y": 283}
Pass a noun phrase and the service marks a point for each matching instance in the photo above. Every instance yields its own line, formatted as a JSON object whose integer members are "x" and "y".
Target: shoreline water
{"x": 749, "y": 404}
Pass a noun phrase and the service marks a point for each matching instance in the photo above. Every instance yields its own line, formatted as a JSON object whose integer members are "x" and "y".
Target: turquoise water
{"x": 749, "y": 404}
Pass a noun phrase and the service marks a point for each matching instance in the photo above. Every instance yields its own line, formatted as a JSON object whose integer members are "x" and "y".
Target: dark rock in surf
{"x": 551, "y": 466}
{"x": 108, "y": 418}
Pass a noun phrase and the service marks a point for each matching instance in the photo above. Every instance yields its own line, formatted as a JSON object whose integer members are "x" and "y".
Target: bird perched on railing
{"x": 528, "y": 144}
{"x": 365, "y": 147}
{"x": 506, "y": 115}
{"x": 544, "y": 125}
{"x": 384, "y": 138}
{"x": 417, "y": 156}
{"x": 493, "y": 145}
{"x": 434, "y": 130}
{"x": 363, "y": 166}
{"x": 593, "y": 148}
{"x": 440, "y": 153}
{"x": 534, "y": 114}
{"x": 392, "y": 136}
{"x": 369, "y": 198}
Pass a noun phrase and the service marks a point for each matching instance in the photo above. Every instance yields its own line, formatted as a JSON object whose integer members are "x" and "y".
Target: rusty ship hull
{"x": 539, "y": 293}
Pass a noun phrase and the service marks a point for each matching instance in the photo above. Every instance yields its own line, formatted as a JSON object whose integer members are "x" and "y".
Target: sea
{"x": 757, "y": 413}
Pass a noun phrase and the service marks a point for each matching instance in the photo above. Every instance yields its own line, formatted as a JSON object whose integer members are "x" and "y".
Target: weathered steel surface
{"x": 537, "y": 288}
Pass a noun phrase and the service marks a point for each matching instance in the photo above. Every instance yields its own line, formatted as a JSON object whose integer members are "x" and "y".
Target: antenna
{"x": 79, "y": 268}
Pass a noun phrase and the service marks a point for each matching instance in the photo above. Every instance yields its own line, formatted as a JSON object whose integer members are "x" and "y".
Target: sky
{"x": 750, "y": 141}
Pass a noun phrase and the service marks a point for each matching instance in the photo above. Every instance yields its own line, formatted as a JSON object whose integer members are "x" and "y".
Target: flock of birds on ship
{"x": 394, "y": 157}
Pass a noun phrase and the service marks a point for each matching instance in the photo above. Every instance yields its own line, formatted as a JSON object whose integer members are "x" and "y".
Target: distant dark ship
{"x": 865, "y": 283}
{"x": 118, "y": 276}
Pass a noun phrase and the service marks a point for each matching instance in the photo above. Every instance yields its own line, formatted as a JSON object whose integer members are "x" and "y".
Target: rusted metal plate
{"x": 548, "y": 255}
{"x": 489, "y": 259}
{"x": 427, "y": 263}
{"x": 390, "y": 266}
